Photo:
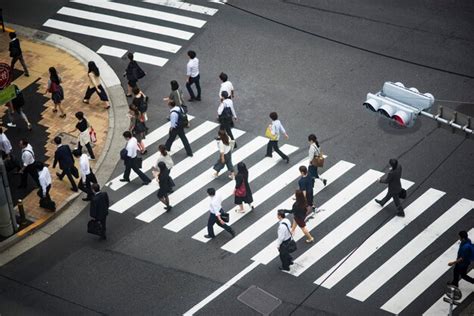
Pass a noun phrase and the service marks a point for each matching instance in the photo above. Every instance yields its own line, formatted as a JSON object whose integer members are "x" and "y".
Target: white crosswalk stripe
{"x": 346, "y": 228}
{"x": 396, "y": 263}
{"x": 422, "y": 281}
{"x": 122, "y": 21}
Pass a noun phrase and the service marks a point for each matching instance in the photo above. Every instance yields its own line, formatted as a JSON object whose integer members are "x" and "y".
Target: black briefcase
{"x": 402, "y": 194}
{"x": 94, "y": 227}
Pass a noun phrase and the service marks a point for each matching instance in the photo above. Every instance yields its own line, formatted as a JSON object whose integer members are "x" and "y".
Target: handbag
{"x": 291, "y": 245}
{"x": 75, "y": 172}
{"x": 225, "y": 216}
{"x": 241, "y": 191}
{"x": 138, "y": 162}
{"x": 123, "y": 153}
{"x": 402, "y": 194}
{"x": 318, "y": 159}
{"x": 93, "y": 135}
{"x": 94, "y": 227}
{"x": 269, "y": 134}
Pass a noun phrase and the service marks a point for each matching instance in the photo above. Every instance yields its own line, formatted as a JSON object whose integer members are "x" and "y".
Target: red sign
{"x": 5, "y": 75}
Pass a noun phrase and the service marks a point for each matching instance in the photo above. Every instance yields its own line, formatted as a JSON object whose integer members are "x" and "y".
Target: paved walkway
{"x": 39, "y": 57}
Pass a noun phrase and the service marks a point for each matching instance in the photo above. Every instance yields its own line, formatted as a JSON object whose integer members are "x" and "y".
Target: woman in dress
{"x": 225, "y": 154}
{"x": 95, "y": 86}
{"x": 165, "y": 182}
{"x": 57, "y": 93}
{"x": 299, "y": 211}
{"x": 242, "y": 192}
{"x": 313, "y": 151}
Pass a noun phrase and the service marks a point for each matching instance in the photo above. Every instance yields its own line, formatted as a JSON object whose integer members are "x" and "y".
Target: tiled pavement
{"x": 39, "y": 57}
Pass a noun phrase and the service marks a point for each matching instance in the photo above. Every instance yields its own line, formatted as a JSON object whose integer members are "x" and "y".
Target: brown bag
{"x": 318, "y": 160}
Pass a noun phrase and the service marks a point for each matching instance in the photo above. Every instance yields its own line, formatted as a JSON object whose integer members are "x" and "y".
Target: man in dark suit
{"x": 16, "y": 53}
{"x": 392, "y": 178}
{"x": 63, "y": 155}
{"x": 99, "y": 208}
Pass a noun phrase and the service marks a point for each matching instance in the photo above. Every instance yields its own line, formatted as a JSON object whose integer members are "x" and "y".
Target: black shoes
{"x": 146, "y": 183}
{"x": 209, "y": 236}
{"x": 232, "y": 232}
{"x": 401, "y": 214}
{"x": 283, "y": 269}
{"x": 59, "y": 176}
{"x": 168, "y": 208}
{"x": 325, "y": 181}
{"x": 379, "y": 202}
{"x": 86, "y": 199}
{"x": 287, "y": 160}
{"x": 124, "y": 180}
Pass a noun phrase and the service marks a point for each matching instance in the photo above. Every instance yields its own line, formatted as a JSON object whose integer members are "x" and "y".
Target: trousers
{"x": 214, "y": 220}
{"x": 67, "y": 172}
{"x": 285, "y": 255}
{"x": 172, "y": 136}
{"x": 131, "y": 165}
{"x": 22, "y": 62}
{"x": 396, "y": 200}
{"x": 89, "y": 149}
{"x": 273, "y": 145}
{"x": 194, "y": 80}
{"x": 460, "y": 272}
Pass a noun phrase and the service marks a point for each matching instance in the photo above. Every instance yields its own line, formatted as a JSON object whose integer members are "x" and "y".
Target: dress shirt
{"x": 27, "y": 155}
{"x": 174, "y": 116}
{"x": 313, "y": 151}
{"x": 44, "y": 178}
{"x": 84, "y": 166}
{"x": 5, "y": 144}
{"x": 192, "y": 68}
{"x": 283, "y": 232}
{"x": 226, "y": 86}
{"x": 132, "y": 147}
{"x": 226, "y": 103}
{"x": 277, "y": 128}
{"x": 215, "y": 204}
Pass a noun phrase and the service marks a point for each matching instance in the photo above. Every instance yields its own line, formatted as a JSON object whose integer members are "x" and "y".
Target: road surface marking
{"x": 178, "y": 4}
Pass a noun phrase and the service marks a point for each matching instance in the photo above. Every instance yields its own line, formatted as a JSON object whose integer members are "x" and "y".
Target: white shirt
{"x": 27, "y": 155}
{"x": 215, "y": 204}
{"x": 84, "y": 166}
{"x": 226, "y": 86}
{"x": 166, "y": 159}
{"x": 226, "y": 103}
{"x": 5, "y": 144}
{"x": 192, "y": 68}
{"x": 44, "y": 178}
{"x": 313, "y": 151}
{"x": 132, "y": 147}
{"x": 277, "y": 128}
{"x": 223, "y": 148}
{"x": 283, "y": 232}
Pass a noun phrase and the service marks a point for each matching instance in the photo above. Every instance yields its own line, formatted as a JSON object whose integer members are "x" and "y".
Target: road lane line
{"x": 340, "y": 233}
{"x": 112, "y": 35}
{"x": 379, "y": 238}
{"x": 199, "y": 182}
{"x": 405, "y": 255}
{"x": 265, "y": 222}
{"x": 330, "y": 207}
{"x": 132, "y": 24}
{"x": 265, "y": 193}
{"x": 178, "y": 4}
{"x": 422, "y": 281}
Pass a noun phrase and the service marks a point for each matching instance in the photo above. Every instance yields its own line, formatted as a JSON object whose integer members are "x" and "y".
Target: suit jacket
{"x": 63, "y": 155}
{"x": 393, "y": 179}
{"x": 14, "y": 48}
{"x": 99, "y": 207}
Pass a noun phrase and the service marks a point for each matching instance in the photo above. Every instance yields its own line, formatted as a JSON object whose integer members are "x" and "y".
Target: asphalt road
{"x": 313, "y": 63}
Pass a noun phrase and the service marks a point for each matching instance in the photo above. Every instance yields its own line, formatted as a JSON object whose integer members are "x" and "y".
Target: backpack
{"x": 226, "y": 114}
{"x": 182, "y": 118}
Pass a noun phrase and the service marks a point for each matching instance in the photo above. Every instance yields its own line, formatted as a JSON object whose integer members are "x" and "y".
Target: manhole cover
{"x": 259, "y": 300}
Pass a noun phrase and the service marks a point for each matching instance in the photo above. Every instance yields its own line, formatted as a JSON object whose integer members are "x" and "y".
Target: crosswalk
{"x": 346, "y": 184}
{"x": 161, "y": 32}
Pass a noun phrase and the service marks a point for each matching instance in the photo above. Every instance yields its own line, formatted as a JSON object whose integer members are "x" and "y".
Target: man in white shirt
{"x": 131, "y": 159}
{"x": 277, "y": 129}
{"x": 27, "y": 164}
{"x": 192, "y": 72}
{"x": 284, "y": 237}
{"x": 87, "y": 176}
{"x": 177, "y": 128}
{"x": 215, "y": 207}
{"x": 44, "y": 178}
{"x": 5, "y": 145}
{"x": 226, "y": 85}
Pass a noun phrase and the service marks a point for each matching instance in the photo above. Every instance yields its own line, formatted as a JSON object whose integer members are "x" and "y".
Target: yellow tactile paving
{"x": 39, "y": 57}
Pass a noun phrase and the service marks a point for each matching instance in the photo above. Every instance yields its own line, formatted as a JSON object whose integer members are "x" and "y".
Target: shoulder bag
{"x": 318, "y": 159}
{"x": 224, "y": 216}
{"x": 291, "y": 245}
{"x": 269, "y": 134}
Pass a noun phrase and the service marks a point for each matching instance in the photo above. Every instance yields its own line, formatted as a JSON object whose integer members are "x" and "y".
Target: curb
{"x": 20, "y": 243}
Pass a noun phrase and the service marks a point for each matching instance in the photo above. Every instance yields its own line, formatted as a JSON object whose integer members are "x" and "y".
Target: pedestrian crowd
{"x": 302, "y": 210}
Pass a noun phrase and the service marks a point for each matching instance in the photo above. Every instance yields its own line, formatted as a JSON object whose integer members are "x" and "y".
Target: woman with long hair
{"x": 313, "y": 151}
{"x": 225, "y": 154}
{"x": 242, "y": 192}
{"x": 94, "y": 85}
{"x": 57, "y": 93}
{"x": 299, "y": 211}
